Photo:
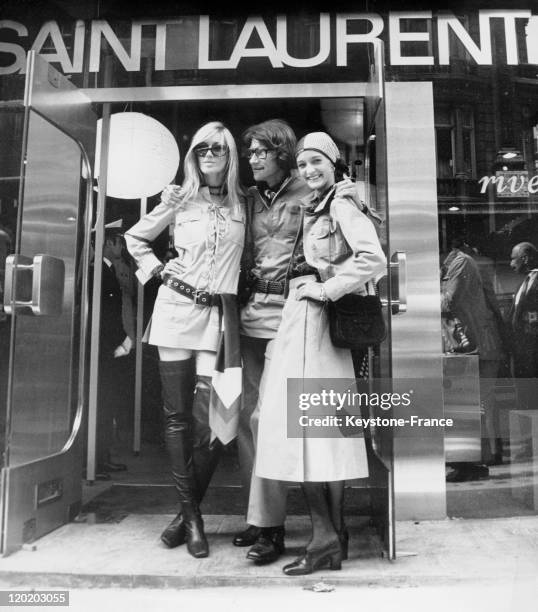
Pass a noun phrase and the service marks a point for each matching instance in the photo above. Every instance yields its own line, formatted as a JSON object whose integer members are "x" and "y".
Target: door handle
{"x": 34, "y": 286}
{"x": 398, "y": 283}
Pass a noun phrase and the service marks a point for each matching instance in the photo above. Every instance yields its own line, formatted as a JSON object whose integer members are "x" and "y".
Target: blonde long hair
{"x": 193, "y": 176}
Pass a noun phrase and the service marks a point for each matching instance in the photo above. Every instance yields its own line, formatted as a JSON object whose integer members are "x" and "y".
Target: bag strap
{"x": 370, "y": 286}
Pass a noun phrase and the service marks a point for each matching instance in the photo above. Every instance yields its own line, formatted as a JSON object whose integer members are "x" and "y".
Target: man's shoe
{"x": 102, "y": 476}
{"x": 247, "y": 537}
{"x": 467, "y": 472}
{"x": 268, "y": 547}
{"x": 109, "y": 466}
{"x": 478, "y": 472}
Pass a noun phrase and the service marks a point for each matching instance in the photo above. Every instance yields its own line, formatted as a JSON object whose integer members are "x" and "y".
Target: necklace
{"x": 215, "y": 189}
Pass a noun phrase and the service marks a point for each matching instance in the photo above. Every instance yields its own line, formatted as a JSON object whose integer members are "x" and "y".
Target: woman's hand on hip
{"x": 175, "y": 267}
{"x": 311, "y": 291}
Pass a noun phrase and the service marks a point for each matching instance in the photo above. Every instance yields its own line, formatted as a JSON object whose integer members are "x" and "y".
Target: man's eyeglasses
{"x": 217, "y": 150}
{"x": 259, "y": 153}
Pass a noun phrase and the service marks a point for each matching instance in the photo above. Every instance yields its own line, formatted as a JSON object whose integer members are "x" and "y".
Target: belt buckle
{"x": 196, "y": 297}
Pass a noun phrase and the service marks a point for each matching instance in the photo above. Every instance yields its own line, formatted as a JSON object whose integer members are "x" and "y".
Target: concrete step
{"x": 128, "y": 554}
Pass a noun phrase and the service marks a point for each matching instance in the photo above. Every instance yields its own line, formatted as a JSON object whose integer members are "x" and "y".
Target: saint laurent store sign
{"x": 195, "y": 42}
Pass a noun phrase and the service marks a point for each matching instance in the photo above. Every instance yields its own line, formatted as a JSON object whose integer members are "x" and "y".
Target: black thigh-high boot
{"x": 205, "y": 454}
{"x": 205, "y": 457}
{"x": 324, "y": 548}
{"x": 177, "y": 384}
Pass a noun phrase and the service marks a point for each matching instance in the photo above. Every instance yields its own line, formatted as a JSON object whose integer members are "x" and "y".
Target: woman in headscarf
{"x": 343, "y": 255}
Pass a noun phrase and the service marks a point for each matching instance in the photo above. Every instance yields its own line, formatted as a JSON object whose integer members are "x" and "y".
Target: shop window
{"x": 468, "y": 167}
{"x": 455, "y": 142}
{"x": 417, "y": 48}
{"x": 535, "y": 146}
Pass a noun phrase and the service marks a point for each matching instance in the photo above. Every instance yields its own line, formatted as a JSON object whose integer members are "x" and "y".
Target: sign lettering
{"x": 268, "y": 40}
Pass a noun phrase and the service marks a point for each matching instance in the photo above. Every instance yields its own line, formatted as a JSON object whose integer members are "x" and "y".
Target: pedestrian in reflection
{"x": 342, "y": 255}
{"x": 523, "y": 319}
{"x": 463, "y": 295}
{"x": 209, "y": 225}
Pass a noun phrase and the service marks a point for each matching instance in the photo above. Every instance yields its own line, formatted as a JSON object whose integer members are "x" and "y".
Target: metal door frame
{"x": 43, "y": 98}
{"x": 394, "y": 185}
{"x": 106, "y": 96}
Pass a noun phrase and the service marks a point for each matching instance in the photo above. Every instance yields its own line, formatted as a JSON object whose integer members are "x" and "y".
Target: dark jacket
{"x": 111, "y": 331}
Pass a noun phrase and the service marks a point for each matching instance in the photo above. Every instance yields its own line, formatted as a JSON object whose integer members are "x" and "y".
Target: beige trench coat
{"x": 344, "y": 247}
{"x": 303, "y": 349}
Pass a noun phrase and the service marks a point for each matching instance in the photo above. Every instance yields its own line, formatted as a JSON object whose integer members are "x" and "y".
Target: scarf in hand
{"x": 225, "y": 399}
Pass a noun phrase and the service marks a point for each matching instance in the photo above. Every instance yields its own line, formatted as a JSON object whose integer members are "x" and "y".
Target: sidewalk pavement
{"x": 128, "y": 554}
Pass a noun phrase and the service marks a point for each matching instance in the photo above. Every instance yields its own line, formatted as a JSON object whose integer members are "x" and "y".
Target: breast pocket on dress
{"x": 236, "y": 229}
{"x": 191, "y": 227}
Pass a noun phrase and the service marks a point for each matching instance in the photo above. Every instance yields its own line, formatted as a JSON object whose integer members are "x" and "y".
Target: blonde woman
{"x": 209, "y": 226}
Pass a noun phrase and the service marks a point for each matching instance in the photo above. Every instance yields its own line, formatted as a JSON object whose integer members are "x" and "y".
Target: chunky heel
{"x": 335, "y": 561}
{"x": 312, "y": 561}
{"x": 195, "y": 537}
{"x": 174, "y": 535}
{"x": 343, "y": 536}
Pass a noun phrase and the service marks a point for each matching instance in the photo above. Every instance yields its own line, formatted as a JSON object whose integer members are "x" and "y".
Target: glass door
{"x": 45, "y": 296}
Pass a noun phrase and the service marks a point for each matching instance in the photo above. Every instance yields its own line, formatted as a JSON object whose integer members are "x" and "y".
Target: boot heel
{"x": 175, "y": 533}
{"x": 196, "y": 540}
{"x": 335, "y": 561}
{"x": 343, "y": 536}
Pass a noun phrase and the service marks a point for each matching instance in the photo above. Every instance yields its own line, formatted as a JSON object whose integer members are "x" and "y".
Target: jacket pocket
{"x": 191, "y": 227}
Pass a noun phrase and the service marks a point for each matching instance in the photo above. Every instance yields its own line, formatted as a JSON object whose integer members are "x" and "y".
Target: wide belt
{"x": 267, "y": 286}
{"x": 201, "y": 298}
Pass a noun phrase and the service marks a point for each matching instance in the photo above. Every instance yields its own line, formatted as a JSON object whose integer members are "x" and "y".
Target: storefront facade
{"x": 436, "y": 114}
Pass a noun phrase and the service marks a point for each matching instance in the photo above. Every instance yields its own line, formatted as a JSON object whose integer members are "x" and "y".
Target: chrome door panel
{"x": 41, "y": 411}
{"x": 52, "y": 95}
{"x": 41, "y": 478}
{"x": 50, "y": 497}
{"x": 419, "y": 463}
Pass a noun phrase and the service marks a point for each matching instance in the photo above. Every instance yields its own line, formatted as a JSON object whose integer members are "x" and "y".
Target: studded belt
{"x": 201, "y": 298}
{"x": 268, "y": 286}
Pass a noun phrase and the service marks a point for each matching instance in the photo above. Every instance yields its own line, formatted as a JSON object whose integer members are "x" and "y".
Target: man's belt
{"x": 202, "y": 298}
{"x": 267, "y": 286}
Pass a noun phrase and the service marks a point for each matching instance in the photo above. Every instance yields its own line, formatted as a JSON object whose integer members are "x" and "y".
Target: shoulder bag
{"x": 355, "y": 321}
